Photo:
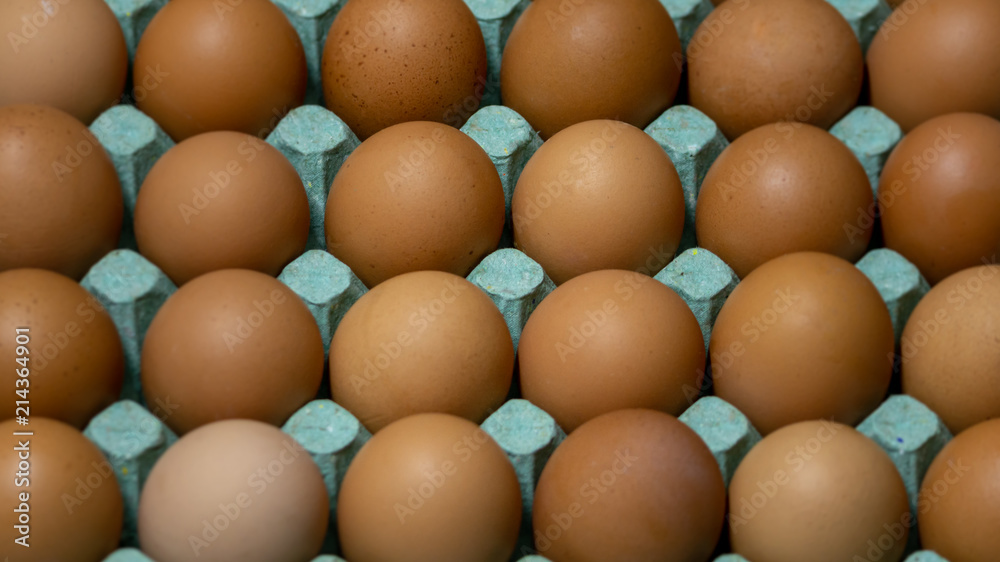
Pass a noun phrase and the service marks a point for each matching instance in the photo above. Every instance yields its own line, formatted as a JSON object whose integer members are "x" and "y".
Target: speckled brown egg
{"x": 805, "y": 336}
{"x": 66, "y": 54}
{"x": 951, "y": 348}
{"x": 60, "y": 491}
{"x": 63, "y": 350}
{"x": 939, "y": 194}
{"x": 599, "y": 195}
{"x": 933, "y": 57}
{"x": 426, "y": 341}
{"x": 633, "y": 485}
{"x": 782, "y": 188}
{"x": 391, "y": 61}
{"x": 428, "y": 488}
{"x": 609, "y": 340}
{"x": 232, "y": 344}
{"x": 762, "y": 61}
{"x": 818, "y": 491}
{"x": 214, "y": 66}
{"x": 234, "y": 490}
{"x": 221, "y": 200}
{"x": 416, "y": 196}
{"x": 60, "y": 201}
{"x": 959, "y": 503}
{"x": 569, "y": 62}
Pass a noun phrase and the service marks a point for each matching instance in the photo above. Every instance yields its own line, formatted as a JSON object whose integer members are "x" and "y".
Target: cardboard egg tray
{"x": 133, "y": 436}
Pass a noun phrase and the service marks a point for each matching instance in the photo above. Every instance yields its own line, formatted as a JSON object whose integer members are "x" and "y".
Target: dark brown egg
{"x": 416, "y": 196}
{"x": 951, "y": 348}
{"x": 62, "y": 498}
{"x": 784, "y": 188}
{"x": 939, "y": 194}
{"x": 390, "y": 61}
{"x": 933, "y": 57}
{"x": 599, "y": 195}
{"x": 63, "y": 350}
{"x": 232, "y": 344}
{"x": 756, "y": 62}
{"x": 214, "y": 66}
{"x": 609, "y": 340}
{"x": 569, "y": 62}
{"x": 959, "y": 503}
{"x": 234, "y": 490}
{"x": 60, "y": 200}
{"x": 630, "y": 485}
{"x": 426, "y": 341}
{"x": 66, "y": 54}
{"x": 221, "y": 200}
{"x": 428, "y": 488}
{"x": 805, "y": 336}
{"x": 818, "y": 491}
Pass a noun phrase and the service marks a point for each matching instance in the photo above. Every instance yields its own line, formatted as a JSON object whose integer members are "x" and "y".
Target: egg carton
{"x": 316, "y": 141}
{"x": 132, "y": 434}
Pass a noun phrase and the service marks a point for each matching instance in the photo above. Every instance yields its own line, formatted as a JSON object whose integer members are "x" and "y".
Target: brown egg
{"x": 69, "y": 55}
{"x": 609, "y": 340}
{"x": 60, "y": 200}
{"x": 599, "y": 195}
{"x": 232, "y": 344}
{"x": 221, "y": 200}
{"x": 213, "y": 66}
{"x": 759, "y": 62}
{"x": 426, "y": 341}
{"x": 933, "y": 57}
{"x": 390, "y": 61}
{"x": 415, "y": 196}
{"x": 61, "y": 496}
{"x": 805, "y": 336}
{"x": 428, "y": 488}
{"x": 939, "y": 194}
{"x": 951, "y": 349}
{"x": 569, "y": 62}
{"x": 784, "y": 188}
{"x": 234, "y": 490}
{"x": 633, "y": 485}
{"x": 959, "y": 503}
{"x": 63, "y": 349}
{"x": 818, "y": 491}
